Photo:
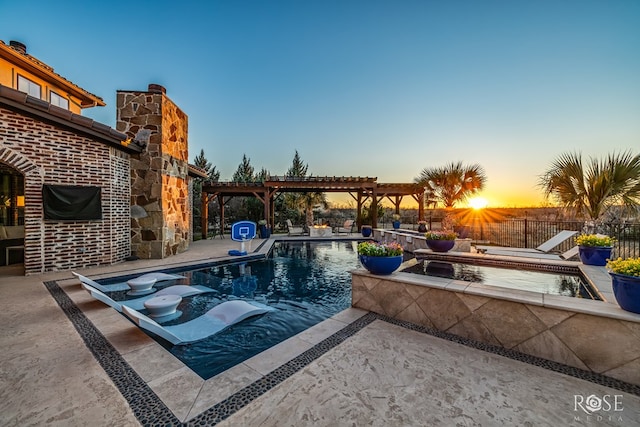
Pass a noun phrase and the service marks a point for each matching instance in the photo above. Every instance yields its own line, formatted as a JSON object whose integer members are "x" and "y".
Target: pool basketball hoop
{"x": 241, "y": 232}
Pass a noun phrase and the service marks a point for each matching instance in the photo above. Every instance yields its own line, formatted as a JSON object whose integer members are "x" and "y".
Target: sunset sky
{"x": 363, "y": 88}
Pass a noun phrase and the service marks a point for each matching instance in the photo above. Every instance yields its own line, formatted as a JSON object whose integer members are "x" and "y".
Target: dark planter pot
{"x": 381, "y": 265}
{"x": 265, "y": 231}
{"x": 440, "y": 245}
{"x": 627, "y": 291}
{"x": 396, "y": 224}
{"x": 366, "y": 230}
{"x": 422, "y": 228}
{"x": 594, "y": 255}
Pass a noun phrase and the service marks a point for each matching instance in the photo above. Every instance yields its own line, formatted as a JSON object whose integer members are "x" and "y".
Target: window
{"x": 29, "y": 87}
{"x": 59, "y": 100}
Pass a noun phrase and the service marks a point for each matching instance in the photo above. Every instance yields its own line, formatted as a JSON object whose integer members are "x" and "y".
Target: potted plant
{"x": 265, "y": 230}
{"x": 441, "y": 241}
{"x": 396, "y": 221}
{"x": 594, "y": 249}
{"x": 366, "y": 230}
{"x": 380, "y": 258}
{"x": 625, "y": 281}
{"x": 422, "y": 226}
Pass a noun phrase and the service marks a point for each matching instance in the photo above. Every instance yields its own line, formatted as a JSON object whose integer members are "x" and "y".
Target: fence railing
{"x": 528, "y": 233}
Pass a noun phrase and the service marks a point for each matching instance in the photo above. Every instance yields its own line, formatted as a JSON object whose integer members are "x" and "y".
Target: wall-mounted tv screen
{"x": 71, "y": 202}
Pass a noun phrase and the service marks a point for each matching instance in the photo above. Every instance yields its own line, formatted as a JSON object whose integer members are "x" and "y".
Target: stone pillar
{"x": 159, "y": 175}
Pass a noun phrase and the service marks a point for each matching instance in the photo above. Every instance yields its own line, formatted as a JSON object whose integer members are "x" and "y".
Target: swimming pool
{"x": 306, "y": 282}
{"x": 562, "y": 281}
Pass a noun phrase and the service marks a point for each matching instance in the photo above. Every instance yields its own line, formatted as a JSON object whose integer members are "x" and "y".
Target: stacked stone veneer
{"x": 47, "y": 154}
{"x": 159, "y": 175}
{"x": 591, "y": 335}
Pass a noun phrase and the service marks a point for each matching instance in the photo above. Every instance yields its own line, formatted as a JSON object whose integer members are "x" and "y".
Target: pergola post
{"x": 374, "y": 208}
{"x": 221, "y": 202}
{"x": 359, "y": 210}
{"x": 204, "y": 218}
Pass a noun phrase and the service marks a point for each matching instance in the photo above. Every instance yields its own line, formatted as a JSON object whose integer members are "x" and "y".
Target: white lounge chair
{"x": 138, "y": 303}
{"x": 543, "y": 248}
{"x": 347, "y": 227}
{"x": 294, "y": 230}
{"x": 213, "y": 321}
{"x": 540, "y": 255}
{"x": 160, "y": 277}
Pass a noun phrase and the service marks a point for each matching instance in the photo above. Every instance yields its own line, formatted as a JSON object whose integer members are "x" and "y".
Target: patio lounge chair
{"x": 347, "y": 227}
{"x": 160, "y": 277}
{"x": 294, "y": 230}
{"x": 138, "y": 303}
{"x": 543, "y": 248}
{"x": 213, "y": 321}
{"x": 535, "y": 254}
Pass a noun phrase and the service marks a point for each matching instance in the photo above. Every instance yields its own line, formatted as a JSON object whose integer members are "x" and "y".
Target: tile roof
{"x": 35, "y": 107}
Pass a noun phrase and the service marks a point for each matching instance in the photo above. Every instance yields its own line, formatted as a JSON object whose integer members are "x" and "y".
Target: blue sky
{"x": 363, "y": 88}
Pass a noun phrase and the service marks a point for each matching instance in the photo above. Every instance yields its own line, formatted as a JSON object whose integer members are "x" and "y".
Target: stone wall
{"x": 592, "y": 335}
{"x": 159, "y": 175}
{"x": 47, "y": 154}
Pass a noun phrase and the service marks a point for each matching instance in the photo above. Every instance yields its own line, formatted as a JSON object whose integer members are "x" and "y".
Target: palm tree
{"x": 452, "y": 183}
{"x": 591, "y": 188}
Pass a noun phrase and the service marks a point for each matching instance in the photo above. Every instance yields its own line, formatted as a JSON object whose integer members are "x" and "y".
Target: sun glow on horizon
{"x": 478, "y": 203}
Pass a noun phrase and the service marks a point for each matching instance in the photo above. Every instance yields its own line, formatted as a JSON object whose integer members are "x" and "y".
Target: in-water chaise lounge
{"x": 213, "y": 321}
{"x": 138, "y": 303}
{"x": 159, "y": 277}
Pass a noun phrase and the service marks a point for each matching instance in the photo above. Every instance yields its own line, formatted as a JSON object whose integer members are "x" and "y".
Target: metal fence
{"x": 528, "y": 233}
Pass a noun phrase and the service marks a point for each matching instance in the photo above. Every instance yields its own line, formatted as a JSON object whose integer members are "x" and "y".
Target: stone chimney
{"x": 20, "y": 47}
{"x": 161, "y": 224}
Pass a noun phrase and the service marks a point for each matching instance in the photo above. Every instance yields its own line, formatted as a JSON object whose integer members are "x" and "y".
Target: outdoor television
{"x": 71, "y": 202}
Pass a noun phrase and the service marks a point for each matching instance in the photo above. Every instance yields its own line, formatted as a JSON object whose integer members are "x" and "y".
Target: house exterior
{"x": 21, "y": 71}
{"x": 47, "y": 146}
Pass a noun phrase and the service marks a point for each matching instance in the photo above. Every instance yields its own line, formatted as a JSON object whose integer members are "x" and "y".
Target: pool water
{"x": 306, "y": 282}
{"x": 554, "y": 283}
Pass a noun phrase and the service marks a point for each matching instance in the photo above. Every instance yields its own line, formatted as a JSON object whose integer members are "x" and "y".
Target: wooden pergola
{"x": 360, "y": 188}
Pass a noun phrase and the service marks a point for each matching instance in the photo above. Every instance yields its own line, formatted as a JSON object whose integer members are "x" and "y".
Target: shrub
{"x": 628, "y": 267}
{"x": 594, "y": 240}
{"x": 372, "y": 248}
{"x": 441, "y": 235}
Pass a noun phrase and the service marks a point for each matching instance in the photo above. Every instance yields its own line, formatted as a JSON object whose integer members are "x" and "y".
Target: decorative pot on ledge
{"x": 366, "y": 230}
{"x": 440, "y": 245}
{"x": 626, "y": 289}
{"x": 594, "y": 249}
{"x": 395, "y": 224}
{"x": 594, "y": 255}
{"x": 381, "y": 265}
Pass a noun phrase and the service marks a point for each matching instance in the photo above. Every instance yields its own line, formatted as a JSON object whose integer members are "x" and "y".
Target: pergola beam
{"x": 363, "y": 187}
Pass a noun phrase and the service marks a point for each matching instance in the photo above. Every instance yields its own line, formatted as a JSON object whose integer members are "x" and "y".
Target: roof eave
{"x": 87, "y": 99}
{"x": 42, "y": 110}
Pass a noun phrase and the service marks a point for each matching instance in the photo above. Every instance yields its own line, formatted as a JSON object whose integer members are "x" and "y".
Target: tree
{"x": 452, "y": 183}
{"x": 244, "y": 173}
{"x": 303, "y": 202}
{"x": 202, "y": 162}
{"x": 592, "y": 187}
{"x": 213, "y": 175}
{"x": 298, "y": 168}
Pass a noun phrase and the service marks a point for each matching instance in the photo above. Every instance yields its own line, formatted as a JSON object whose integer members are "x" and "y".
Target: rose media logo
{"x": 607, "y": 407}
